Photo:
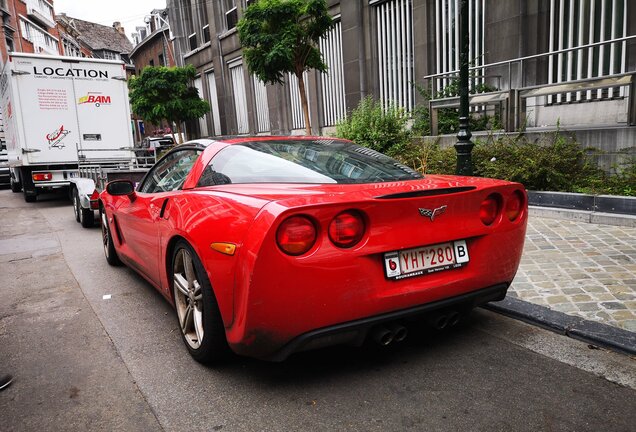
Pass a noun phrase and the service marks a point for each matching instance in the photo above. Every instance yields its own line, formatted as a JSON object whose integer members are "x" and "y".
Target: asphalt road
{"x": 85, "y": 362}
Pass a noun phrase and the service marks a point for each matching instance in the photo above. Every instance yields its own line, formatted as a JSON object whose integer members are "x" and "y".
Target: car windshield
{"x": 302, "y": 161}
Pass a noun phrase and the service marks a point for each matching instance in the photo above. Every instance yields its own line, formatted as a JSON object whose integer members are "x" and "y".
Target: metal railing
{"x": 511, "y": 102}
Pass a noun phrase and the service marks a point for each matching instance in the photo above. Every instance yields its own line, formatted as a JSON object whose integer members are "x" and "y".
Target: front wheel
{"x": 197, "y": 310}
{"x": 107, "y": 241}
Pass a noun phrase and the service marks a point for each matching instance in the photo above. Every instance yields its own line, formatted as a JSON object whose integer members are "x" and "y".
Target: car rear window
{"x": 302, "y": 161}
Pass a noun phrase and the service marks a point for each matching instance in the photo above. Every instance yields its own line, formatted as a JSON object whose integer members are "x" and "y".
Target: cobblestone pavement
{"x": 581, "y": 269}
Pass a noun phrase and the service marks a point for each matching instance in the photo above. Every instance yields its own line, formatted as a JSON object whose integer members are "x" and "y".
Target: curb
{"x": 584, "y": 216}
{"x": 575, "y": 327}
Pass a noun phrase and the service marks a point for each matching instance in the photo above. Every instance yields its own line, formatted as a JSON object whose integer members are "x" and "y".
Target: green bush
{"x": 556, "y": 162}
{"x": 372, "y": 126}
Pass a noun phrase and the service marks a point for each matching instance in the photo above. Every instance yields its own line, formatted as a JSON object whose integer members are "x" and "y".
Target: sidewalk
{"x": 578, "y": 278}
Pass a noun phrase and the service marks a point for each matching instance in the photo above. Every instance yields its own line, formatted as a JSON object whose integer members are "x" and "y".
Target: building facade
{"x": 384, "y": 48}
{"x": 29, "y": 26}
{"x": 153, "y": 47}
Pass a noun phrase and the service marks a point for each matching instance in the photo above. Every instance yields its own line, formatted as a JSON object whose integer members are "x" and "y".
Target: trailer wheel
{"x": 76, "y": 204}
{"x": 87, "y": 218}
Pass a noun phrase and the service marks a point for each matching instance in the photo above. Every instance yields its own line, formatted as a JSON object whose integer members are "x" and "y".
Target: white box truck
{"x": 56, "y": 108}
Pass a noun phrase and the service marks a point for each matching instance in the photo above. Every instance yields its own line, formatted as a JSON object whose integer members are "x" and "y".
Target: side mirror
{"x": 121, "y": 187}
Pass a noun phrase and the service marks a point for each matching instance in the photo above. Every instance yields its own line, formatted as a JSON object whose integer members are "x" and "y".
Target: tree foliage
{"x": 163, "y": 93}
{"x": 281, "y": 36}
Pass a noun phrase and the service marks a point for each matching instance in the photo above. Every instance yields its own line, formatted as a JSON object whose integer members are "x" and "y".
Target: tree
{"x": 163, "y": 93}
{"x": 280, "y": 36}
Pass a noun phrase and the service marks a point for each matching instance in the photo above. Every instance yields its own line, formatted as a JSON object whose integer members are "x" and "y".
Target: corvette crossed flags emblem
{"x": 432, "y": 213}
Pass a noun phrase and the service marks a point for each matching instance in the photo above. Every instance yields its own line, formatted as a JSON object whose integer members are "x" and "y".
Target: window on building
{"x": 42, "y": 41}
{"x": 206, "y": 34}
{"x": 110, "y": 55}
{"x": 192, "y": 40}
{"x": 447, "y": 39}
{"x": 240, "y": 98}
{"x": 577, "y": 23}
{"x": 231, "y": 14}
{"x": 162, "y": 62}
{"x": 151, "y": 63}
{"x": 214, "y": 103}
{"x": 262, "y": 106}
{"x": 203, "y": 121}
{"x": 332, "y": 82}
{"x": 298, "y": 116}
{"x": 394, "y": 20}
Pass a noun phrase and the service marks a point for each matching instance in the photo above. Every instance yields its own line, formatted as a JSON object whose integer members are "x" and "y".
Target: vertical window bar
{"x": 614, "y": 35}
{"x": 601, "y": 55}
{"x": 570, "y": 43}
{"x": 559, "y": 77}
{"x": 436, "y": 86}
{"x": 409, "y": 54}
{"x": 445, "y": 65}
{"x": 590, "y": 51}
{"x": 624, "y": 46}
{"x": 580, "y": 53}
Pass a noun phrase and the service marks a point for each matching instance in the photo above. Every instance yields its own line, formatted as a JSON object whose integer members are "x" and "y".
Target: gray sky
{"x": 130, "y": 13}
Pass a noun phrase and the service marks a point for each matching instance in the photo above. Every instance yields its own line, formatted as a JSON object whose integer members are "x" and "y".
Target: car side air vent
{"x": 429, "y": 192}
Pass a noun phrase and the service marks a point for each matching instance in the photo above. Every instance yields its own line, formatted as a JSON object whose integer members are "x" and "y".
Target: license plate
{"x": 73, "y": 174}
{"x": 425, "y": 259}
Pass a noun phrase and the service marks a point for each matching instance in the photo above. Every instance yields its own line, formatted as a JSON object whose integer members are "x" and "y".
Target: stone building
{"x": 384, "y": 47}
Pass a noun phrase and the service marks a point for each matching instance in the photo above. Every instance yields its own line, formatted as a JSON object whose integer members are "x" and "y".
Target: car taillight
{"x": 296, "y": 235}
{"x": 489, "y": 209}
{"x": 42, "y": 176}
{"x": 93, "y": 198}
{"x": 346, "y": 229}
{"x": 514, "y": 206}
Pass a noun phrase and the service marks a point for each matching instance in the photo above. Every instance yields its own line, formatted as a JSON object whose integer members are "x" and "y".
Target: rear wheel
{"x": 198, "y": 313}
{"x": 76, "y": 204}
{"x": 107, "y": 241}
{"x": 16, "y": 187}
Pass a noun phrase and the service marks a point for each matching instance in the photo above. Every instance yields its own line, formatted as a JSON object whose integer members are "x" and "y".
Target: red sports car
{"x": 272, "y": 245}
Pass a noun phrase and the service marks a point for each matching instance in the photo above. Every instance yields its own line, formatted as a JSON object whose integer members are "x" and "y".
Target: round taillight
{"x": 489, "y": 209}
{"x": 346, "y": 229}
{"x": 514, "y": 206}
{"x": 296, "y": 235}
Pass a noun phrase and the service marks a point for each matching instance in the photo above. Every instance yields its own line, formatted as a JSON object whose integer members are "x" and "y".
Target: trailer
{"x": 53, "y": 105}
{"x": 96, "y": 169}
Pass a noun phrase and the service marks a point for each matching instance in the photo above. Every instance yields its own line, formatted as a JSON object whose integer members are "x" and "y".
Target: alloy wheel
{"x": 188, "y": 298}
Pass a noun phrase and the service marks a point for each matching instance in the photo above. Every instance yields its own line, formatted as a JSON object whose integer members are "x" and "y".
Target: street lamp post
{"x": 464, "y": 145}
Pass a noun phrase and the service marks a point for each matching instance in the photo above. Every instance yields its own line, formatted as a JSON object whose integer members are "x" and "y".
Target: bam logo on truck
{"x": 55, "y": 138}
{"x": 94, "y": 98}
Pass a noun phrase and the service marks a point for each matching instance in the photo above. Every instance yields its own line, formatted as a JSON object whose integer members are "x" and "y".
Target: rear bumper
{"x": 356, "y": 331}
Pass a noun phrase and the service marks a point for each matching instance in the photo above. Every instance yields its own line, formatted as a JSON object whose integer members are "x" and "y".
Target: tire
{"x": 87, "y": 217}
{"x": 196, "y": 307}
{"x": 16, "y": 187}
{"x": 76, "y": 204}
{"x": 107, "y": 240}
{"x": 84, "y": 216}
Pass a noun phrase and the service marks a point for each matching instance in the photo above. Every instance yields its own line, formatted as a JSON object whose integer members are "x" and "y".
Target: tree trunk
{"x": 174, "y": 138}
{"x": 178, "y": 123}
{"x": 303, "y": 102}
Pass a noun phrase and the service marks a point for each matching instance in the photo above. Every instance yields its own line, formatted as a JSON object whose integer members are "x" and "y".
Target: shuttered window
{"x": 240, "y": 98}
{"x": 214, "y": 103}
{"x": 262, "y": 107}
{"x": 332, "y": 82}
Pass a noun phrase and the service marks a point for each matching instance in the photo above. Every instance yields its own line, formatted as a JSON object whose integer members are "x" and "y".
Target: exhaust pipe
{"x": 382, "y": 335}
{"x": 438, "y": 320}
{"x": 399, "y": 332}
{"x": 453, "y": 318}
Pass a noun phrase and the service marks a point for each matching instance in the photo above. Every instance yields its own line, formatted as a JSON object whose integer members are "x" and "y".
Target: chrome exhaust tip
{"x": 382, "y": 335}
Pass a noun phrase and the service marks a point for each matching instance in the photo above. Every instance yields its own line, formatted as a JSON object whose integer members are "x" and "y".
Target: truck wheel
{"x": 76, "y": 204}
{"x": 15, "y": 186}
{"x": 107, "y": 240}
